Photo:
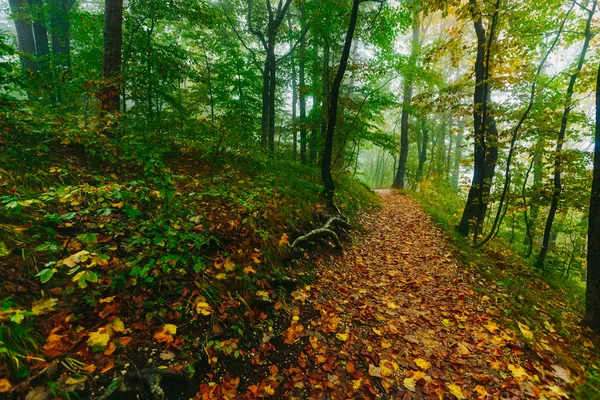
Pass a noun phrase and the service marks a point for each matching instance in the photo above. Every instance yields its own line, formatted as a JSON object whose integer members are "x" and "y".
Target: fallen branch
{"x": 325, "y": 232}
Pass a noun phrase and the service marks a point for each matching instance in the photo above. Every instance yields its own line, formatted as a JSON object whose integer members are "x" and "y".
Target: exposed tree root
{"x": 326, "y": 232}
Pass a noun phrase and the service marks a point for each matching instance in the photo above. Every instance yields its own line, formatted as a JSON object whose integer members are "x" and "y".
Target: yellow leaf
{"x": 377, "y": 331}
{"x": 342, "y": 336}
{"x": 74, "y": 259}
{"x": 386, "y": 344}
{"x": 107, "y": 299}
{"x": 249, "y": 270}
{"x": 527, "y": 334}
{"x": 497, "y": 365}
{"x": 284, "y": 240}
{"x": 170, "y": 329}
{"x": 262, "y": 293}
{"x": 557, "y": 391}
{"x": 98, "y": 339}
{"x": 492, "y": 327}
{"x": 456, "y": 391}
{"x": 392, "y": 305}
{"x": 4, "y": 385}
{"x": 119, "y": 326}
{"x": 221, "y": 276}
{"x": 518, "y": 372}
{"x": 203, "y": 308}
{"x": 548, "y": 327}
{"x": 78, "y": 276}
{"x": 409, "y": 383}
{"x": 481, "y": 391}
{"x": 424, "y": 365}
{"x": 418, "y": 375}
{"x": 462, "y": 349}
{"x": 229, "y": 265}
{"x": 39, "y": 307}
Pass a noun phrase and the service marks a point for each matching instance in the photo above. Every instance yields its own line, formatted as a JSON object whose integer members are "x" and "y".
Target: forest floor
{"x": 402, "y": 313}
{"x": 398, "y": 317}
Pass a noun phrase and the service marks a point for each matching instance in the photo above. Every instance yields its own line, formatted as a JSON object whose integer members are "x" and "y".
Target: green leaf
{"x": 46, "y": 274}
{"x": 86, "y": 238}
{"x": 3, "y": 249}
{"x": 91, "y": 276}
{"x": 17, "y": 318}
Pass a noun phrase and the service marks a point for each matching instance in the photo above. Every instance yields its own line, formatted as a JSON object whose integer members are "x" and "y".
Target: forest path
{"x": 397, "y": 317}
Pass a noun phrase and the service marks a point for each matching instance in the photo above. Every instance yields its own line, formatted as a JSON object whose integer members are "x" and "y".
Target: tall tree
{"x": 113, "y": 43}
{"x": 485, "y": 141}
{"x": 25, "y": 38}
{"x": 407, "y": 93}
{"x": 302, "y": 77}
{"x": 268, "y": 42}
{"x": 60, "y": 26}
{"x": 592, "y": 293}
{"x": 328, "y": 182}
{"x": 568, "y": 106}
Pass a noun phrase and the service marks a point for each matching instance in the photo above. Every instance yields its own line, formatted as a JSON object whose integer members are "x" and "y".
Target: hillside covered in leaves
{"x": 247, "y": 199}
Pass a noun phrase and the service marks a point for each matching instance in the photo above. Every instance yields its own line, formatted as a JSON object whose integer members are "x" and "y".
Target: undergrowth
{"x": 167, "y": 237}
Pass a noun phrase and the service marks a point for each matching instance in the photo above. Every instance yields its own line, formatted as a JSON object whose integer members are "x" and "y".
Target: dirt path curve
{"x": 397, "y": 318}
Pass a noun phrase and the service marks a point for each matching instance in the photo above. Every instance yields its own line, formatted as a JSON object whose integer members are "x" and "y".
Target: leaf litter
{"x": 398, "y": 318}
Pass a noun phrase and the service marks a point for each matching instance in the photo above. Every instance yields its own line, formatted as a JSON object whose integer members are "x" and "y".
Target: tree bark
{"x": 25, "y": 38}
{"x": 329, "y": 190}
{"x": 113, "y": 42}
{"x": 485, "y": 142}
{"x": 314, "y": 135}
{"x": 294, "y": 95}
{"x": 560, "y": 141}
{"x": 40, "y": 33}
{"x": 458, "y": 154}
{"x": 303, "y": 138}
{"x": 61, "y": 26}
{"x": 325, "y": 95}
{"x": 422, "y": 151}
{"x": 407, "y": 93}
{"x": 592, "y": 292}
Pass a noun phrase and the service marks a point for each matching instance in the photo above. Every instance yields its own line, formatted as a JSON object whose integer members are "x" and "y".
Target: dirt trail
{"x": 397, "y": 317}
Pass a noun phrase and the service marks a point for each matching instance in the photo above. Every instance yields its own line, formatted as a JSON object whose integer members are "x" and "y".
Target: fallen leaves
{"x": 165, "y": 334}
{"x": 456, "y": 391}
{"x": 4, "y": 385}
{"x": 423, "y": 364}
{"x": 527, "y": 334}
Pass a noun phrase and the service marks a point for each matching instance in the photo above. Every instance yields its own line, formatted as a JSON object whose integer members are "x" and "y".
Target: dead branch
{"x": 327, "y": 231}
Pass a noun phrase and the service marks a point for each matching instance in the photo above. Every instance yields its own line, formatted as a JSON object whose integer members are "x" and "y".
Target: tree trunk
{"x": 113, "y": 41}
{"x": 559, "y": 143}
{"x": 25, "y": 36}
{"x": 61, "y": 26}
{"x": 302, "y": 100}
{"x": 407, "y": 93}
{"x": 272, "y": 88}
{"x": 325, "y": 100}
{"x": 329, "y": 190}
{"x": 40, "y": 33}
{"x": 458, "y": 154}
{"x": 485, "y": 141}
{"x": 423, "y": 151}
{"x": 592, "y": 292}
{"x": 264, "y": 132}
{"x": 314, "y": 135}
{"x": 294, "y": 95}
